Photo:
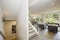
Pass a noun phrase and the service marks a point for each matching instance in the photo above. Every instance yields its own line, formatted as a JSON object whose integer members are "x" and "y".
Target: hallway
{"x": 12, "y": 12}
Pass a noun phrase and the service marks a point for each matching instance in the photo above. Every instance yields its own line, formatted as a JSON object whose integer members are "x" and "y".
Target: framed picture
{"x": 13, "y": 29}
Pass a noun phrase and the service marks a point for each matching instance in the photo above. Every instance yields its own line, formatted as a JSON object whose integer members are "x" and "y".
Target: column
{"x": 22, "y": 21}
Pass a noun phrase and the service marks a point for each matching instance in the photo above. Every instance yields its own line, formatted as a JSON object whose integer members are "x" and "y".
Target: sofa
{"x": 53, "y": 28}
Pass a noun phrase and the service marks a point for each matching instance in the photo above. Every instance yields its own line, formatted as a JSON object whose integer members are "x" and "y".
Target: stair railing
{"x": 2, "y": 34}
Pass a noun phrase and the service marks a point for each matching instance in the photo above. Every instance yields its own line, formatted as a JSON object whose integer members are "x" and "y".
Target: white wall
{"x": 1, "y": 22}
{"x": 22, "y": 21}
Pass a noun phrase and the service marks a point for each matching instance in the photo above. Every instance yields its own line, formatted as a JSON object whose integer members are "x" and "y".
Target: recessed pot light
{"x": 52, "y": 3}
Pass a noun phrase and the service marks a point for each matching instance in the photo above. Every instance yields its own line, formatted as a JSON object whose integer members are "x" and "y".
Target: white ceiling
{"x": 42, "y": 6}
{"x": 10, "y": 8}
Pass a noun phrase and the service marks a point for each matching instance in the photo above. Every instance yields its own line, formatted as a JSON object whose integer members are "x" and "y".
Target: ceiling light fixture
{"x": 55, "y": 8}
{"x": 53, "y": 3}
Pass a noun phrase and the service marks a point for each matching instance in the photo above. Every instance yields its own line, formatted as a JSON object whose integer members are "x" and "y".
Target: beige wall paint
{"x": 8, "y": 29}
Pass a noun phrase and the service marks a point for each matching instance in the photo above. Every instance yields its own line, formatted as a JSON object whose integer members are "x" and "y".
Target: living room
{"x": 45, "y": 18}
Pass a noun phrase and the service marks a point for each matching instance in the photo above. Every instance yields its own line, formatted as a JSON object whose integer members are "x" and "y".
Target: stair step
{"x": 31, "y": 31}
{"x": 30, "y": 28}
{"x": 32, "y": 35}
{"x": 29, "y": 25}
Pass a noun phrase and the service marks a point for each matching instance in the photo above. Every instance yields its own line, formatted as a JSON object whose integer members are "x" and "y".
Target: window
{"x": 13, "y": 29}
{"x": 52, "y": 18}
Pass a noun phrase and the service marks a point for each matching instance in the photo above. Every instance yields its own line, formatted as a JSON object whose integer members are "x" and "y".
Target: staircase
{"x": 32, "y": 31}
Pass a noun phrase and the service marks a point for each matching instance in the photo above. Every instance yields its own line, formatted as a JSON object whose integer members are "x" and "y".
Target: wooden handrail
{"x": 2, "y": 34}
